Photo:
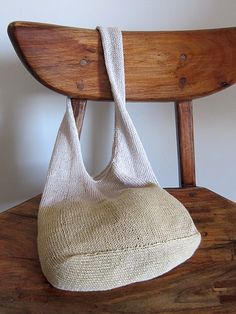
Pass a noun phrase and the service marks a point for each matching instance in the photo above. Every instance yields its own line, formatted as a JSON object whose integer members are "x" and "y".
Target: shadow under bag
{"x": 119, "y": 227}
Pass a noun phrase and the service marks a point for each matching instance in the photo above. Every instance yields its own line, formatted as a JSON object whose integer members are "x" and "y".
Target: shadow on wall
{"x": 22, "y": 157}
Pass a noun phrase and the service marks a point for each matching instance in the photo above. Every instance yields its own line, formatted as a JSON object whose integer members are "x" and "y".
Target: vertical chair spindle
{"x": 185, "y": 142}
{"x": 79, "y": 106}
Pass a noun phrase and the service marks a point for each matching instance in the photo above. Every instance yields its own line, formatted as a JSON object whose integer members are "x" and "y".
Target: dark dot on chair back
{"x": 182, "y": 82}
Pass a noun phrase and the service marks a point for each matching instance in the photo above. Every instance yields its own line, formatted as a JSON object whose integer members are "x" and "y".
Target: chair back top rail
{"x": 159, "y": 65}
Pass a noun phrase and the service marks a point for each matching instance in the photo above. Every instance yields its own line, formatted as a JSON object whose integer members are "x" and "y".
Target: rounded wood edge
{"x": 49, "y": 25}
{"x": 12, "y": 29}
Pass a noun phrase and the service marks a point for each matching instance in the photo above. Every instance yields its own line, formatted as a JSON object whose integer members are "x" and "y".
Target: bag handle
{"x": 114, "y": 60}
{"x": 127, "y": 145}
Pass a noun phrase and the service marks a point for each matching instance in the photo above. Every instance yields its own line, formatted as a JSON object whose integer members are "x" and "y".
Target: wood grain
{"x": 206, "y": 283}
{"x": 159, "y": 66}
{"x": 79, "y": 107}
{"x": 185, "y": 142}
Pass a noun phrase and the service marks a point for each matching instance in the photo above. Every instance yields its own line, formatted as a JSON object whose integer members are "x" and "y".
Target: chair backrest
{"x": 159, "y": 66}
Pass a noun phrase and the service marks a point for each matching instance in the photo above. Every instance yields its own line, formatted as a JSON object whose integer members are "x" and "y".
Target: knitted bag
{"x": 119, "y": 227}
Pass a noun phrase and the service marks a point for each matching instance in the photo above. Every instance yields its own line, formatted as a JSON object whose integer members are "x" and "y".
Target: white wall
{"x": 30, "y": 113}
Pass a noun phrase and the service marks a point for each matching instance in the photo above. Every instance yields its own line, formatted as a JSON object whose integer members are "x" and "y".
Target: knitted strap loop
{"x": 114, "y": 60}
{"x": 127, "y": 147}
{"x": 129, "y": 165}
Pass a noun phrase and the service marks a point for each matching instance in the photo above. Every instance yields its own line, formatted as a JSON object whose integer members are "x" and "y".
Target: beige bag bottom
{"x": 108, "y": 270}
{"x": 111, "y": 243}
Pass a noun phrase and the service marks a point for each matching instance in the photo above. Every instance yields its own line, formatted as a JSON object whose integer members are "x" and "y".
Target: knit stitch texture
{"x": 119, "y": 227}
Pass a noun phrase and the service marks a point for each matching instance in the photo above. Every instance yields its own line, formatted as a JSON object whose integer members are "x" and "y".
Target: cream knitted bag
{"x": 119, "y": 227}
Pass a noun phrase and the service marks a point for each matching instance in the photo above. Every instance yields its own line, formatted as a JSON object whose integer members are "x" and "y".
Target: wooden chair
{"x": 160, "y": 66}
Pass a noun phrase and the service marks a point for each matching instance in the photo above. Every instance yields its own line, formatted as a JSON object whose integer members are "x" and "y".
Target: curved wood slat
{"x": 160, "y": 66}
{"x": 204, "y": 284}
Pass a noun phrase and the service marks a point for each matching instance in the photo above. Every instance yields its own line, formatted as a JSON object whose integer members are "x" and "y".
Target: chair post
{"x": 185, "y": 143}
{"x": 79, "y": 106}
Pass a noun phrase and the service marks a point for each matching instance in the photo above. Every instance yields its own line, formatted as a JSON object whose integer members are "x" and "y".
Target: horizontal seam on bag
{"x": 138, "y": 247}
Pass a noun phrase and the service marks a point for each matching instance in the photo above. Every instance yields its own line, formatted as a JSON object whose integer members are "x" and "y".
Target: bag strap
{"x": 114, "y": 61}
{"x": 129, "y": 155}
{"x": 67, "y": 177}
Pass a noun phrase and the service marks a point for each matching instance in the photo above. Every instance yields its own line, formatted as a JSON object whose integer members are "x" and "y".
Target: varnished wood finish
{"x": 160, "y": 66}
{"x": 185, "y": 142}
{"x": 204, "y": 284}
{"x": 79, "y": 106}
